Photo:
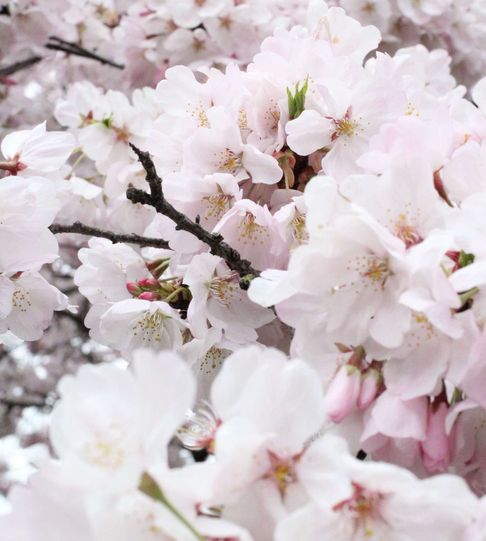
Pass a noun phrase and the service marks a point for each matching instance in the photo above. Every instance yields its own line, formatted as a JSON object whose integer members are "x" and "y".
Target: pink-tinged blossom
{"x": 354, "y": 500}
{"x": 36, "y": 150}
{"x": 28, "y": 303}
{"x": 126, "y": 440}
{"x": 343, "y": 392}
{"x": 436, "y": 448}
{"x": 255, "y": 233}
{"x": 218, "y": 300}
{"x": 137, "y": 323}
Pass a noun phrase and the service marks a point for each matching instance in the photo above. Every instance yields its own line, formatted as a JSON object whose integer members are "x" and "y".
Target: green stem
{"x": 174, "y": 294}
{"x": 150, "y": 488}
{"x": 469, "y": 294}
{"x": 79, "y": 159}
{"x": 168, "y": 279}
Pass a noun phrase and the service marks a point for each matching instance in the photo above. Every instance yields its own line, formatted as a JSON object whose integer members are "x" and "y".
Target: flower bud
{"x": 436, "y": 448}
{"x": 370, "y": 385}
{"x": 149, "y": 283}
{"x": 133, "y": 288}
{"x": 149, "y": 296}
{"x": 158, "y": 267}
{"x": 342, "y": 393}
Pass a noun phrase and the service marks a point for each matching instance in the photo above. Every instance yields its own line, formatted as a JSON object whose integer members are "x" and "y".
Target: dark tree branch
{"x": 5, "y": 10}
{"x": 215, "y": 242}
{"x": 22, "y": 401}
{"x": 68, "y": 47}
{"x": 82, "y": 229}
{"x": 57, "y": 44}
{"x": 17, "y": 66}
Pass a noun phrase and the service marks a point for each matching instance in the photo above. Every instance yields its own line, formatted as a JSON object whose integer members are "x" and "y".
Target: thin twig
{"x": 215, "y": 242}
{"x": 22, "y": 401}
{"x": 57, "y": 44}
{"x": 17, "y": 66}
{"x": 82, "y": 229}
{"x": 68, "y": 47}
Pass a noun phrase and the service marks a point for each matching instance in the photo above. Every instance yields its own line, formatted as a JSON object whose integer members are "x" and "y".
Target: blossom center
{"x": 106, "y": 451}
{"x": 281, "y": 471}
{"x": 148, "y": 327}
{"x": 224, "y": 289}
{"x": 251, "y": 232}
{"x": 377, "y": 271}
{"x": 363, "y": 508}
{"x": 406, "y": 231}
{"x": 218, "y": 204}
{"x": 21, "y": 300}
{"x": 299, "y": 231}
{"x": 229, "y": 162}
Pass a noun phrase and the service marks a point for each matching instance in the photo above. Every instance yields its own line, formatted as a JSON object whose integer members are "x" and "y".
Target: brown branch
{"x": 215, "y": 242}
{"x": 22, "y": 401}
{"x": 82, "y": 229}
{"x": 68, "y": 47}
{"x": 18, "y": 66}
{"x": 57, "y": 44}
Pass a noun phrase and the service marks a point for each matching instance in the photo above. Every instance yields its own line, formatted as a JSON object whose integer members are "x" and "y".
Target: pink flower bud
{"x": 149, "y": 296}
{"x": 149, "y": 283}
{"x": 370, "y": 384}
{"x": 133, "y": 288}
{"x": 436, "y": 448}
{"x": 342, "y": 393}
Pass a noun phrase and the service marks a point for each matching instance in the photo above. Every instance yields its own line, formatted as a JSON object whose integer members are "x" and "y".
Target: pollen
{"x": 422, "y": 331}
{"x": 225, "y": 289}
{"x": 377, "y": 271}
{"x": 242, "y": 119}
{"x": 251, "y": 232}
{"x": 104, "y": 453}
{"x": 213, "y": 360}
{"x": 229, "y": 162}
{"x": 346, "y": 127}
{"x": 199, "y": 113}
{"x": 21, "y": 300}
{"x": 363, "y": 508}
{"x": 411, "y": 110}
{"x": 281, "y": 471}
{"x": 404, "y": 225}
{"x": 299, "y": 231}
{"x": 218, "y": 204}
{"x": 149, "y": 327}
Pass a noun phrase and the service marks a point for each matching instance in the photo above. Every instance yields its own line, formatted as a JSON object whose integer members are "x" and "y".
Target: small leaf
{"x": 465, "y": 259}
{"x": 296, "y": 101}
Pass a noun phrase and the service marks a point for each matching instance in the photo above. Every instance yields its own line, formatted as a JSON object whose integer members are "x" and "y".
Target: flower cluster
{"x": 122, "y": 44}
{"x": 30, "y": 198}
{"x": 454, "y": 26}
{"x": 268, "y": 476}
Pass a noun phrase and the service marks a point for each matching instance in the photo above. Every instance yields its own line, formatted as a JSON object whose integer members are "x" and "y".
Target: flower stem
{"x": 150, "y": 488}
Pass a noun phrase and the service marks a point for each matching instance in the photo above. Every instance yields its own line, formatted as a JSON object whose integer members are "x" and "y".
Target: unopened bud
{"x": 370, "y": 384}
{"x": 342, "y": 393}
{"x": 149, "y": 296}
{"x": 436, "y": 448}
{"x": 134, "y": 289}
{"x": 158, "y": 267}
{"x": 149, "y": 283}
